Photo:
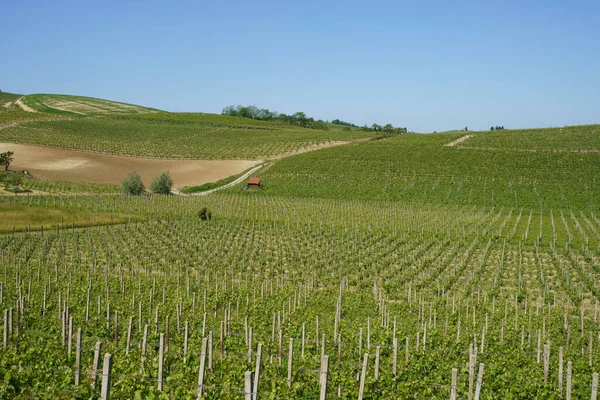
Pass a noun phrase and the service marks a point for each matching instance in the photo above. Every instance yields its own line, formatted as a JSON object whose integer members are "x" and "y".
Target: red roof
{"x": 254, "y": 181}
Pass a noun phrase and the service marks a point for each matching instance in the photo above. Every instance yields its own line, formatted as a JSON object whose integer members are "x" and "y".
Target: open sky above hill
{"x": 424, "y": 65}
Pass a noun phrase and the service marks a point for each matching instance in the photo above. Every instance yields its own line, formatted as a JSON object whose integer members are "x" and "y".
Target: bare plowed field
{"x": 79, "y": 166}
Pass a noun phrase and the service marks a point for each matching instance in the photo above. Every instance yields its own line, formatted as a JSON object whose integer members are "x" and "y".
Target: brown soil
{"x": 79, "y": 166}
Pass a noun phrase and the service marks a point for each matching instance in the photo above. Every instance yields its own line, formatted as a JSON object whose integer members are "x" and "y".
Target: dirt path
{"x": 231, "y": 184}
{"x": 315, "y": 147}
{"x": 78, "y": 166}
{"x": 24, "y": 106}
{"x": 458, "y": 141}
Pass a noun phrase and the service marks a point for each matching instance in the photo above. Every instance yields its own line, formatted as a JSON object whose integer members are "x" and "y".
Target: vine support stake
{"x": 96, "y": 365}
{"x": 479, "y": 382}
{"x": 202, "y": 367}
{"x": 78, "y": 356}
{"x": 106, "y": 375}
{"x": 363, "y": 376}
{"x": 569, "y": 372}
{"x": 248, "y": 385}
{"x": 257, "y": 370}
{"x": 161, "y": 359}
{"x": 323, "y": 377}
{"x": 290, "y": 359}
{"x": 453, "y": 385}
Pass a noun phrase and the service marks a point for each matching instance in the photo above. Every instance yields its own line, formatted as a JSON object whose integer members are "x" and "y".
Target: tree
{"x": 492, "y": 128}
{"x": 132, "y": 185}
{"x": 6, "y": 158}
{"x": 162, "y": 183}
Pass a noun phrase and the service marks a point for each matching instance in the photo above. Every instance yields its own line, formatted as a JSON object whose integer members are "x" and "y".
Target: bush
{"x": 13, "y": 180}
{"x": 132, "y": 185}
{"x": 205, "y": 214}
{"x": 162, "y": 183}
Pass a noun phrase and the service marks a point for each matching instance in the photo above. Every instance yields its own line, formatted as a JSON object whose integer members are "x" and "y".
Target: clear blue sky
{"x": 426, "y": 65}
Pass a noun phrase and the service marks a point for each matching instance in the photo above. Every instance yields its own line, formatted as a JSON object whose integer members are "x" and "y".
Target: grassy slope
{"x": 419, "y": 168}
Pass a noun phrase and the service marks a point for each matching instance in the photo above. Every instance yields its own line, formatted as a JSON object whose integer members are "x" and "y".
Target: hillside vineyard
{"x": 386, "y": 269}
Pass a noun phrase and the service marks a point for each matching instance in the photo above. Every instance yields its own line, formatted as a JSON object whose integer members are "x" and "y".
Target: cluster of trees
{"x": 133, "y": 186}
{"x": 263, "y": 114}
{"x": 388, "y": 128}
{"x": 299, "y": 118}
{"x": 497, "y": 128}
{"x": 344, "y": 123}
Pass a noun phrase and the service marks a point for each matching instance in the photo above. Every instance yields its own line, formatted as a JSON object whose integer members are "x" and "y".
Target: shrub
{"x": 14, "y": 180}
{"x": 132, "y": 185}
{"x": 205, "y": 214}
{"x": 162, "y": 183}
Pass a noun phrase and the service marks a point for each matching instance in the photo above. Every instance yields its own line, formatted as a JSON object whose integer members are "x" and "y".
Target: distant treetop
{"x": 299, "y": 118}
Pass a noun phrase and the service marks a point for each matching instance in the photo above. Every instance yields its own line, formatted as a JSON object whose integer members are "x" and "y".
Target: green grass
{"x": 184, "y": 136}
{"x": 569, "y": 138}
{"x": 22, "y": 217}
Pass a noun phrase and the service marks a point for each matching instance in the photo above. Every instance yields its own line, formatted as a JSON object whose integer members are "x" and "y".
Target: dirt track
{"x": 79, "y": 166}
{"x": 458, "y": 141}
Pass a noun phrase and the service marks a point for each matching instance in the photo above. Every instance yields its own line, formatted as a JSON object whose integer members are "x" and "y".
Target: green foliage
{"x": 14, "y": 180}
{"x": 132, "y": 185}
{"x": 204, "y": 214}
{"x": 162, "y": 184}
{"x": 6, "y": 158}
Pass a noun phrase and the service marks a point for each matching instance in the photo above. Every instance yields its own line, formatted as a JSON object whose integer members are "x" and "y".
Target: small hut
{"x": 253, "y": 184}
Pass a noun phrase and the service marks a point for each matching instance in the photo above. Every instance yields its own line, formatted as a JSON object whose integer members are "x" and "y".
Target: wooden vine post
{"x": 323, "y": 376}
{"x": 106, "y": 375}
{"x": 202, "y": 368}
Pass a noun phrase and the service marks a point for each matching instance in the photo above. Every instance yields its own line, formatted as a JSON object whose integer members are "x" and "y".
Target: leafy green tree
{"x": 162, "y": 184}
{"x": 6, "y": 158}
{"x": 132, "y": 185}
